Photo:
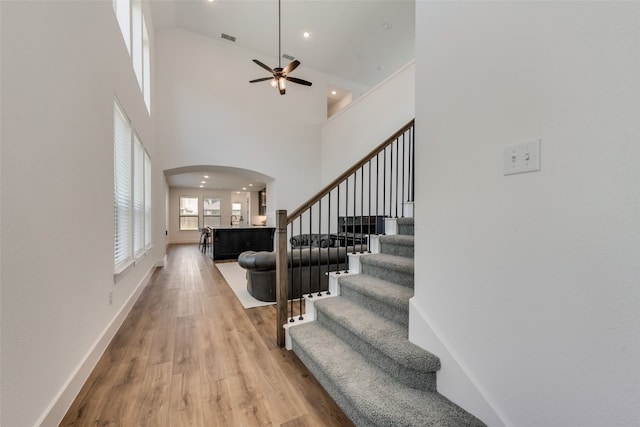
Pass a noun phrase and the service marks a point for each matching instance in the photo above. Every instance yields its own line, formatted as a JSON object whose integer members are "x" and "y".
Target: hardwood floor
{"x": 189, "y": 354}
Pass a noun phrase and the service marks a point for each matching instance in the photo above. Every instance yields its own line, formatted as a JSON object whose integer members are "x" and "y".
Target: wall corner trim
{"x": 455, "y": 381}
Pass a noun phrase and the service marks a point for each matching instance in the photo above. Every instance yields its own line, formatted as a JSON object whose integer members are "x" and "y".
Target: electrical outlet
{"x": 521, "y": 158}
{"x": 110, "y": 297}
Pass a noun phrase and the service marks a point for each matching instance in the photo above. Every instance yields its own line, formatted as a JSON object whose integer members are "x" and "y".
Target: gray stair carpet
{"x": 358, "y": 348}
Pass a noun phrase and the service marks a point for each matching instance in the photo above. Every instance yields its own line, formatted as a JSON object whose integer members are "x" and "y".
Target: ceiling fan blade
{"x": 292, "y": 66}
{"x": 299, "y": 81}
{"x": 261, "y": 80}
{"x": 264, "y": 66}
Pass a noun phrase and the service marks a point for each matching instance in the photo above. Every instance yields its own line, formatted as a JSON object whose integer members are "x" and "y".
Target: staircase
{"x": 358, "y": 348}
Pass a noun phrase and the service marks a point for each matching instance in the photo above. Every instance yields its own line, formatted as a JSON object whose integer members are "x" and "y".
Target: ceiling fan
{"x": 280, "y": 75}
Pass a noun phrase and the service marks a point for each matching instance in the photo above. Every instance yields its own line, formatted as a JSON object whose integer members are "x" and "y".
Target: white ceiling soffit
{"x": 220, "y": 178}
{"x": 361, "y": 41}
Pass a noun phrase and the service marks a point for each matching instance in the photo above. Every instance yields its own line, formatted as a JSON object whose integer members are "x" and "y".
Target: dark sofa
{"x": 309, "y": 266}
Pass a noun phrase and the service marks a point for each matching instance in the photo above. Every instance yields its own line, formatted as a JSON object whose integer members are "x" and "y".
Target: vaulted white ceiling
{"x": 360, "y": 41}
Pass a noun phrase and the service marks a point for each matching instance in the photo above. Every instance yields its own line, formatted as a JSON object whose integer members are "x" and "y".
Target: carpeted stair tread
{"x": 369, "y": 396}
{"x": 382, "y": 290}
{"x": 375, "y": 334}
{"x": 394, "y": 268}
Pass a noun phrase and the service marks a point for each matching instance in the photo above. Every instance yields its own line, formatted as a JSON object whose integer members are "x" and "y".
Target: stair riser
{"x": 388, "y": 273}
{"x": 409, "y": 377}
{"x": 407, "y": 230}
{"x": 393, "y": 313}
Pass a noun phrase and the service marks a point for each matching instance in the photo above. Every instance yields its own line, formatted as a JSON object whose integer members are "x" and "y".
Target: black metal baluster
{"x": 355, "y": 200}
{"x": 378, "y": 191}
{"x": 330, "y": 243}
{"x": 290, "y": 267}
{"x": 310, "y": 251}
{"x": 384, "y": 194}
{"x": 320, "y": 247}
{"x": 338, "y": 230}
{"x": 346, "y": 224}
{"x": 300, "y": 273}
{"x": 403, "y": 163}
{"x": 361, "y": 208}
{"x": 369, "y": 211}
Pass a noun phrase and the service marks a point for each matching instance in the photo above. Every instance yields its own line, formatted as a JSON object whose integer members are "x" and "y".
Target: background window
{"x": 132, "y": 193}
{"x": 212, "y": 214}
{"x": 188, "y": 213}
{"x": 138, "y": 197}
{"x": 122, "y": 203}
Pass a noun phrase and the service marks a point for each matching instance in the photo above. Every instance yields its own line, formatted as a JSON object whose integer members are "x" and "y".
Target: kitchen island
{"x": 229, "y": 242}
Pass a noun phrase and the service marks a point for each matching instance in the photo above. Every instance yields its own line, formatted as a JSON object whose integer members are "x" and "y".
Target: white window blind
{"x": 147, "y": 200}
{"x": 122, "y": 188}
{"x": 138, "y": 197}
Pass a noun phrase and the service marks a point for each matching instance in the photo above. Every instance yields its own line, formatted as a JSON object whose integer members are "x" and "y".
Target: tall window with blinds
{"x": 138, "y": 197}
{"x": 122, "y": 189}
{"x": 147, "y": 201}
{"x": 132, "y": 193}
{"x": 133, "y": 27}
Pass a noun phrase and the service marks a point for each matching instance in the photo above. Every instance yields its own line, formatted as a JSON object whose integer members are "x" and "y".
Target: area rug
{"x": 237, "y": 280}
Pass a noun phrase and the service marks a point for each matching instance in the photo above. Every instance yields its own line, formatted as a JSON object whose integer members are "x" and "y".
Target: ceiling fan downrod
{"x": 280, "y": 75}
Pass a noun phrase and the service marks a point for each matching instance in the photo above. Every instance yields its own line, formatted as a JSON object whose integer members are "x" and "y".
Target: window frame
{"x": 132, "y": 194}
{"x": 195, "y": 215}
{"x": 205, "y": 210}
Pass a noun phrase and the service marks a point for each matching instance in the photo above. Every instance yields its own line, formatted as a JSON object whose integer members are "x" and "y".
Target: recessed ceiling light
{"x": 250, "y": 185}
{"x": 206, "y": 176}
{"x": 244, "y": 188}
{"x": 306, "y": 35}
{"x": 210, "y": 1}
{"x": 203, "y": 182}
{"x": 202, "y": 186}
{"x": 333, "y": 92}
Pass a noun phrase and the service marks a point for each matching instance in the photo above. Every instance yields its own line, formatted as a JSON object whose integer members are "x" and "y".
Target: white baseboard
{"x": 454, "y": 378}
{"x": 161, "y": 262}
{"x": 61, "y": 403}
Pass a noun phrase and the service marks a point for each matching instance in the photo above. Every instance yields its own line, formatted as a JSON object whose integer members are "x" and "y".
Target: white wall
{"x": 211, "y": 115}
{"x": 367, "y": 122}
{"x": 62, "y": 63}
{"x": 531, "y": 280}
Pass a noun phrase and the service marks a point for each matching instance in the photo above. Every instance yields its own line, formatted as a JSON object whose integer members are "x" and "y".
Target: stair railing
{"x": 317, "y": 237}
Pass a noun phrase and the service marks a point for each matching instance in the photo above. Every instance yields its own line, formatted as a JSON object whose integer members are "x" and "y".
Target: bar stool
{"x": 205, "y": 235}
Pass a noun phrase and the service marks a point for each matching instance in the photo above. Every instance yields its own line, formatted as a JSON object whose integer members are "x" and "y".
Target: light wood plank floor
{"x": 189, "y": 354}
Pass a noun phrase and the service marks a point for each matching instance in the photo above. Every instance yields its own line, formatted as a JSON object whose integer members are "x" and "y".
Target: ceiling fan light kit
{"x": 280, "y": 75}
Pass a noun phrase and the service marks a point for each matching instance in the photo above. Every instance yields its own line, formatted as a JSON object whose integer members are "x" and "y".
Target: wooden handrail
{"x": 306, "y": 205}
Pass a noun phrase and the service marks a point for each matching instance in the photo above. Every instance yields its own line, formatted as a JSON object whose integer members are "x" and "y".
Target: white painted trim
{"x": 63, "y": 400}
{"x": 455, "y": 381}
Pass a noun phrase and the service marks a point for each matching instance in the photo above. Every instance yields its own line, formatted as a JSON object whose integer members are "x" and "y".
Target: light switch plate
{"x": 521, "y": 158}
